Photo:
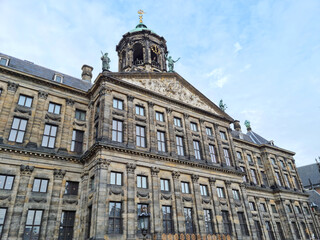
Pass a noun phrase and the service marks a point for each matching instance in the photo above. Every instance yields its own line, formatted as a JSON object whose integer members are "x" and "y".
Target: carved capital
{"x": 175, "y": 174}
{"x": 155, "y": 171}
{"x": 102, "y": 163}
{"x": 169, "y": 110}
{"x": 69, "y": 102}
{"x": 13, "y": 86}
{"x": 201, "y": 120}
{"x": 212, "y": 181}
{"x": 186, "y": 115}
{"x": 228, "y": 183}
{"x": 42, "y": 94}
{"x": 131, "y": 167}
{"x": 84, "y": 176}
{"x": 26, "y": 169}
{"x": 243, "y": 185}
{"x": 150, "y": 104}
{"x": 195, "y": 178}
{"x": 102, "y": 91}
{"x": 130, "y": 98}
{"x": 59, "y": 173}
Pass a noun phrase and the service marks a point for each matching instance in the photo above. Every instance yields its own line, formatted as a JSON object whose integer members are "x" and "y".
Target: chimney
{"x": 86, "y": 73}
{"x": 237, "y": 126}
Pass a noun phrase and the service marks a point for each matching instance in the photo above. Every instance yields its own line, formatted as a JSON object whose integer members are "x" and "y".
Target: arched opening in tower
{"x": 123, "y": 59}
{"x": 154, "y": 59}
{"x": 137, "y": 54}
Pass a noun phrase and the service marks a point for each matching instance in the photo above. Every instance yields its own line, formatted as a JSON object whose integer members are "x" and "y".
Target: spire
{"x": 141, "y": 12}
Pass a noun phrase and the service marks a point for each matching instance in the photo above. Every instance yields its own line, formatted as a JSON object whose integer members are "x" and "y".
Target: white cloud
{"x": 237, "y": 47}
{"x": 246, "y": 67}
{"x": 219, "y": 77}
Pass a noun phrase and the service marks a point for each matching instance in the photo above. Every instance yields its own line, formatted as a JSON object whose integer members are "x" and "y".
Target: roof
{"x": 309, "y": 173}
{"x": 250, "y": 136}
{"x": 314, "y": 197}
{"x": 42, "y": 72}
{"x": 141, "y": 27}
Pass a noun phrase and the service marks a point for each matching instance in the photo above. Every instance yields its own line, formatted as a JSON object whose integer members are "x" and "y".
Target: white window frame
{"x": 55, "y": 78}
{"x": 7, "y": 61}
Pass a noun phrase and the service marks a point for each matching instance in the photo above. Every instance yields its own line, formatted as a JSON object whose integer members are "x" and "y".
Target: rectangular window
{"x": 290, "y": 166}
{"x": 180, "y": 148}
{"x": 97, "y": 109}
{"x": 263, "y": 207}
{"x": 25, "y": 101}
{"x": 177, "y": 122}
{"x": 115, "y": 218}
{"x": 161, "y": 141}
{"x": 212, "y": 153}
{"x": 116, "y": 130}
{"x": 305, "y": 230}
{"x": 143, "y": 208}
{"x": 209, "y": 131}
{"x": 3, "y": 212}
{"x": 80, "y": 115}
{"x": 227, "y": 156}
{"x": 269, "y": 230}
{"x": 258, "y": 229}
{"x": 142, "y": 181}
{"x": 249, "y": 158}
{"x": 236, "y": 194}
{"x": 54, "y": 108}
{"x": 89, "y": 221}
{"x": 167, "y": 221}
{"x": 139, "y": 110}
{"x": 220, "y": 192}
{"x": 223, "y": 135}
{"x": 77, "y": 141}
{"x": 194, "y": 126}
{"x": 92, "y": 183}
{"x": 40, "y": 185}
{"x": 207, "y": 215}
{"x": 306, "y": 210}
{"x": 281, "y": 234}
{"x": 252, "y": 206}
{"x": 159, "y": 116}
{"x": 296, "y": 230}
{"x": 66, "y": 225}
{"x": 259, "y": 161}
{"x": 18, "y": 130}
{"x": 4, "y": 61}
{"x": 288, "y": 208}
{"x": 274, "y": 209}
{"x": 245, "y": 178}
{"x": 278, "y": 179}
{"x": 57, "y": 78}
{"x": 264, "y": 179}
{"x": 203, "y": 190}
{"x": 6, "y": 182}
{"x": 273, "y": 161}
{"x": 253, "y": 176}
{"x": 296, "y": 183}
{"x": 33, "y": 225}
{"x": 298, "y": 209}
{"x": 71, "y": 188}
{"x": 286, "y": 178}
{"x": 226, "y": 222}
{"x": 239, "y": 155}
{"x": 118, "y": 104}
{"x": 185, "y": 187}
{"x": 140, "y": 136}
{"x": 96, "y": 131}
{"x": 243, "y": 224}
{"x": 49, "y": 136}
{"x": 196, "y": 147}
{"x": 116, "y": 178}
{"x": 281, "y": 164}
{"x": 188, "y": 220}
{"x": 165, "y": 185}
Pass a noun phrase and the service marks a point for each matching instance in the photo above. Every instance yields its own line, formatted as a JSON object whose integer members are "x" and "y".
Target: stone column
{"x": 285, "y": 219}
{"x": 220, "y": 154}
{"x": 83, "y": 211}
{"x": 179, "y": 208}
{"x": 205, "y": 143}
{"x": 131, "y": 206}
{"x": 200, "y": 226}
{"x": 16, "y": 226}
{"x": 172, "y": 139}
{"x": 247, "y": 211}
{"x": 157, "y": 226}
{"x": 67, "y": 127}
{"x": 232, "y": 207}
{"x": 152, "y": 130}
{"x": 262, "y": 222}
{"x": 56, "y": 198}
{"x": 217, "y": 212}
{"x": 131, "y": 127}
{"x": 105, "y": 118}
{"x": 189, "y": 145}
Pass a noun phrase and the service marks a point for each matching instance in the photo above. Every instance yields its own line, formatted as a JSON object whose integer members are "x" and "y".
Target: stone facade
{"x": 249, "y": 190}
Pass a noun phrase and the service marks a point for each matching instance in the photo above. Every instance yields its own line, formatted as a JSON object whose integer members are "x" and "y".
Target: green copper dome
{"x": 141, "y": 27}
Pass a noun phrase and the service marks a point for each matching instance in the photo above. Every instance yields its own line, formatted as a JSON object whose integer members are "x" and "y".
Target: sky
{"x": 261, "y": 57}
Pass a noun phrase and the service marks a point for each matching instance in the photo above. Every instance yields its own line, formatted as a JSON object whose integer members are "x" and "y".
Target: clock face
{"x": 155, "y": 49}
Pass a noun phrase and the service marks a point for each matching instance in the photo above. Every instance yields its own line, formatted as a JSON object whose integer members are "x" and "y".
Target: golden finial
{"x": 141, "y": 12}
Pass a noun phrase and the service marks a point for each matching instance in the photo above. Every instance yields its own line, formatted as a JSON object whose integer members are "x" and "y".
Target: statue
{"x": 105, "y": 61}
{"x": 170, "y": 62}
{"x": 247, "y": 124}
{"x": 222, "y": 106}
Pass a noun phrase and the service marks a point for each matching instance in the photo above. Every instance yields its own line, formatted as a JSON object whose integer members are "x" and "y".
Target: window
{"x": 194, "y": 126}
{"x": 203, "y": 190}
{"x": 25, "y": 101}
{"x": 221, "y": 193}
{"x": 180, "y": 148}
{"x": 305, "y": 230}
{"x": 249, "y": 158}
{"x": 54, "y": 108}
{"x": 273, "y": 161}
{"x": 263, "y": 207}
{"x": 143, "y": 208}
{"x": 77, "y": 141}
{"x": 4, "y": 61}
{"x": 188, "y": 220}
{"x": 306, "y": 210}
{"x": 6, "y": 182}
{"x": 96, "y": 131}
{"x": 212, "y": 153}
{"x": 298, "y": 209}
{"x": 142, "y": 181}
{"x": 71, "y": 188}
{"x": 281, "y": 164}
{"x": 264, "y": 179}
{"x": 245, "y": 178}
{"x": 290, "y": 166}
{"x": 161, "y": 141}
{"x": 177, "y": 122}
{"x": 280, "y": 231}
{"x": 236, "y": 194}
{"x": 208, "y": 221}
{"x": 116, "y": 130}
{"x": 139, "y": 110}
{"x": 313, "y": 231}
{"x": 66, "y": 225}
{"x": 274, "y": 209}
{"x": 226, "y": 222}
{"x": 252, "y": 206}
{"x": 296, "y": 183}
{"x": 140, "y": 136}
{"x": 18, "y": 130}
{"x": 227, "y": 156}
{"x": 209, "y": 131}
{"x": 80, "y": 115}
{"x": 185, "y": 187}
{"x": 33, "y": 225}
{"x": 269, "y": 230}
{"x": 167, "y": 222}
{"x": 118, "y": 104}
{"x": 92, "y": 183}
{"x": 165, "y": 185}
{"x": 259, "y": 161}
{"x": 254, "y": 177}
{"x": 89, "y": 221}
{"x": 286, "y": 178}
{"x": 258, "y": 229}
{"x": 243, "y": 224}
{"x": 278, "y": 179}
{"x": 97, "y": 109}
{"x": 40, "y": 185}
{"x": 115, "y": 219}
{"x": 288, "y": 208}
{"x": 3, "y": 212}
{"x": 223, "y": 135}
{"x": 159, "y": 116}
{"x": 296, "y": 230}
{"x": 116, "y": 178}
{"x": 239, "y": 155}
{"x": 196, "y": 147}
{"x": 49, "y": 136}
{"x": 58, "y": 78}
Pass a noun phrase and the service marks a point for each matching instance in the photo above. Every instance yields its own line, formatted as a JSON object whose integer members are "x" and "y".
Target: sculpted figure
{"x": 222, "y": 106}
{"x": 170, "y": 62}
{"x": 105, "y": 61}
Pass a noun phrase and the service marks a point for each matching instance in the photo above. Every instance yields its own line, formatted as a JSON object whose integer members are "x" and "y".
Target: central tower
{"x": 142, "y": 50}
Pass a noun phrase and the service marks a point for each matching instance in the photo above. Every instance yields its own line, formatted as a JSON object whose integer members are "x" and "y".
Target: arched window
{"x": 123, "y": 59}
{"x": 138, "y": 54}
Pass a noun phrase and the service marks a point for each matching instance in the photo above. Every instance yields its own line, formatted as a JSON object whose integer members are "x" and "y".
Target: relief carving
{"x": 131, "y": 167}
{"x": 69, "y": 102}
{"x": 38, "y": 200}
{"x": 186, "y": 199}
{"x": 53, "y": 117}
{"x": 26, "y": 169}
{"x": 42, "y": 94}
{"x": 70, "y": 201}
{"x": 13, "y": 86}
{"x": 59, "y": 173}
{"x": 80, "y": 124}
{"x": 142, "y": 194}
{"x": 118, "y": 113}
{"x": 23, "y": 110}
{"x": 116, "y": 191}
{"x": 166, "y": 196}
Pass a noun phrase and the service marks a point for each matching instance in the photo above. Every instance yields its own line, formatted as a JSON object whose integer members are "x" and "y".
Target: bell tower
{"x": 142, "y": 50}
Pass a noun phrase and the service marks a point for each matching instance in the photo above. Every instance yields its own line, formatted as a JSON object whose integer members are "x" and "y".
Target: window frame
{"x": 194, "y": 126}
{"x": 5, "y": 182}
{"x": 221, "y": 192}
{"x": 54, "y": 106}
{"x": 180, "y": 145}
{"x": 33, "y": 225}
{"x": 141, "y": 136}
{"x": 227, "y": 225}
{"x": 6, "y": 59}
{"x": 208, "y": 221}
{"x": 15, "y": 132}
{"x": 25, "y": 101}
{"x": 77, "y": 141}
{"x": 167, "y": 219}
{"x": 142, "y": 181}
{"x": 2, "y": 223}
{"x": 41, "y": 182}
{"x": 185, "y": 187}
{"x": 80, "y": 115}
{"x": 71, "y": 188}
{"x": 227, "y": 158}
{"x": 66, "y": 225}
{"x": 223, "y": 136}
{"x": 252, "y": 206}
{"x": 159, "y": 116}
{"x": 254, "y": 176}
{"x": 116, "y": 176}
{"x": 209, "y": 131}
{"x": 236, "y": 194}
{"x": 165, "y": 185}
{"x": 177, "y": 122}
{"x": 139, "y": 110}
{"x": 117, "y": 131}
{"x": 197, "y": 149}
{"x": 114, "y": 218}
{"x": 49, "y": 137}
{"x": 212, "y": 153}
{"x": 243, "y": 223}
{"x": 188, "y": 220}
{"x": 161, "y": 141}
{"x": 118, "y": 103}
{"x": 204, "y": 190}
{"x": 56, "y": 76}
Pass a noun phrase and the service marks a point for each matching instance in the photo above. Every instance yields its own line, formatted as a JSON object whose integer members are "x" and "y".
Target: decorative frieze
{"x": 195, "y": 178}
{"x": 53, "y": 117}
{"x": 26, "y": 169}
{"x": 131, "y": 167}
{"x": 130, "y": 98}
{"x": 59, "y": 173}
{"x": 23, "y": 110}
{"x": 69, "y": 102}
{"x": 42, "y": 94}
{"x": 155, "y": 171}
{"x": 12, "y": 86}
{"x": 175, "y": 174}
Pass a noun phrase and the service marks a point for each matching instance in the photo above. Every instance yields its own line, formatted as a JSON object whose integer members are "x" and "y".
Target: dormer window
{"x": 58, "y": 78}
{"x": 4, "y": 61}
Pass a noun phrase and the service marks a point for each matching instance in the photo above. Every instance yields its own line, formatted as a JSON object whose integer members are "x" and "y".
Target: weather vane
{"x": 141, "y": 12}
